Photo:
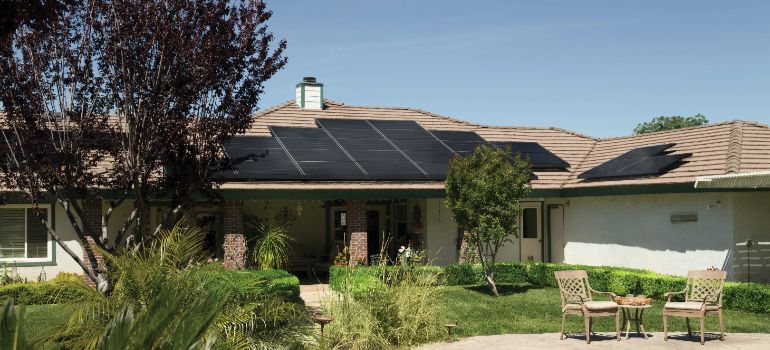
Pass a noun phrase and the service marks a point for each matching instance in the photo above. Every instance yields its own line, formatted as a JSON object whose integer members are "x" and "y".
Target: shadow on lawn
{"x": 502, "y": 288}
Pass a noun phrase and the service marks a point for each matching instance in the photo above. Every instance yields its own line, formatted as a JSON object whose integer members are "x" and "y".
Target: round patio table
{"x": 638, "y": 318}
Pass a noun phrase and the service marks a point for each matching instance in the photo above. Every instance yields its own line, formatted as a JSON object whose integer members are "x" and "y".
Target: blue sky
{"x": 596, "y": 67}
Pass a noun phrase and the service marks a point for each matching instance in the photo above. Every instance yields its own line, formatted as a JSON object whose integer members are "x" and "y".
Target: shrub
{"x": 753, "y": 297}
{"x": 61, "y": 289}
{"x": 383, "y": 307}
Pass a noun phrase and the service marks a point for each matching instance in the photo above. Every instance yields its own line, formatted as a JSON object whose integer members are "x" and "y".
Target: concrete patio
{"x": 603, "y": 341}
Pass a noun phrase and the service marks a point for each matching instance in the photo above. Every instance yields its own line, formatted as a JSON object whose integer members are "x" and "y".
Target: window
{"x": 529, "y": 224}
{"x": 22, "y": 235}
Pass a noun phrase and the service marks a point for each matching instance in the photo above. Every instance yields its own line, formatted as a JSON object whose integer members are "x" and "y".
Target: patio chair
{"x": 702, "y": 296}
{"x": 577, "y": 299}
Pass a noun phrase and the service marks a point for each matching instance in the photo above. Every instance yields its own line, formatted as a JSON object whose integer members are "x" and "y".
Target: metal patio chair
{"x": 577, "y": 299}
{"x": 702, "y": 296}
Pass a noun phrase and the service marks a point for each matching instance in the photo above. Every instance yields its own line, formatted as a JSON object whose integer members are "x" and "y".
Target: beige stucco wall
{"x": 441, "y": 233}
{"x": 636, "y": 231}
{"x": 307, "y": 229}
{"x": 751, "y": 214}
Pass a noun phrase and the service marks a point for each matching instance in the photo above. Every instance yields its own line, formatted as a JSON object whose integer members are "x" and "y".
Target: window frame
{"x": 49, "y": 242}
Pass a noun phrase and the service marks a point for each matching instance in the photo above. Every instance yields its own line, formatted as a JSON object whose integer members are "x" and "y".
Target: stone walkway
{"x": 312, "y": 294}
{"x": 603, "y": 341}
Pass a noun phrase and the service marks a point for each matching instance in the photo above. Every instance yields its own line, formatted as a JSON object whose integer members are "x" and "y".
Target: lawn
{"x": 520, "y": 309}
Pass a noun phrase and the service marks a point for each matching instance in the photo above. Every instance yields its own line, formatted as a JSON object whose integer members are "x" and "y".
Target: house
{"x": 367, "y": 176}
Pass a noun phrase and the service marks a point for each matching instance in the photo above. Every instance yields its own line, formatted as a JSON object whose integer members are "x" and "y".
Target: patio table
{"x": 638, "y": 318}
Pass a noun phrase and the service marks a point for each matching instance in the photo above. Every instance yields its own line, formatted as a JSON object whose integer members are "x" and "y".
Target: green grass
{"x": 39, "y": 320}
{"x": 521, "y": 309}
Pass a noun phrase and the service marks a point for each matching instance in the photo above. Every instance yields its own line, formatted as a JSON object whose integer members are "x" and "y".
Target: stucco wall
{"x": 636, "y": 231}
{"x": 308, "y": 229}
{"x": 752, "y": 220}
{"x": 441, "y": 234}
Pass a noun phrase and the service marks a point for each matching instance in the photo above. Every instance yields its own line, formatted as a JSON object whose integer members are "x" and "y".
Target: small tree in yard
{"x": 131, "y": 96}
{"x": 484, "y": 191}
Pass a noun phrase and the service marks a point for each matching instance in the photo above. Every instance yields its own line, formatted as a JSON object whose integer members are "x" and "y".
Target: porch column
{"x": 356, "y": 224}
{"x": 235, "y": 241}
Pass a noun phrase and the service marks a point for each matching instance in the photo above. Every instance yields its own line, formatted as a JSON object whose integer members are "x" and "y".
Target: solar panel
{"x": 267, "y": 159}
{"x": 357, "y": 149}
{"x": 642, "y": 161}
{"x": 371, "y": 150}
{"x": 317, "y": 154}
{"x": 539, "y": 157}
{"x": 429, "y": 153}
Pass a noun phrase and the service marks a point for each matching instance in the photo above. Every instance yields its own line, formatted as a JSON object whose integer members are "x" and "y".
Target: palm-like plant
{"x": 166, "y": 296}
{"x": 272, "y": 247}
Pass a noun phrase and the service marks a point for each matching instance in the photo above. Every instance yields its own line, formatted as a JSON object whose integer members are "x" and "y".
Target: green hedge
{"x": 63, "y": 288}
{"x": 280, "y": 281}
{"x": 751, "y": 297}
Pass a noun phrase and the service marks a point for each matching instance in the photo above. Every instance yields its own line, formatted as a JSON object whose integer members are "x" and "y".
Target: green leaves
{"x": 664, "y": 123}
{"x": 483, "y": 191}
{"x": 273, "y": 245}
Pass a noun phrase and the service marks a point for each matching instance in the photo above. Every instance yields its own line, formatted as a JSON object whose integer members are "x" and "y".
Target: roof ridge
{"x": 675, "y": 130}
{"x": 273, "y": 108}
{"x": 457, "y": 120}
{"x": 584, "y": 159}
{"x": 733, "y": 164}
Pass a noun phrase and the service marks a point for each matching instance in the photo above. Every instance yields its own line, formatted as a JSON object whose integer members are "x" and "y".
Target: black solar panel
{"x": 266, "y": 159}
{"x": 317, "y": 154}
{"x": 642, "y": 161}
{"x": 538, "y": 156}
{"x": 420, "y": 145}
{"x": 349, "y": 149}
{"x": 371, "y": 150}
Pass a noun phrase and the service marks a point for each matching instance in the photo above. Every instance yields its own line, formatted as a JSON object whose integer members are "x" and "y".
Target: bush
{"x": 383, "y": 307}
{"x": 61, "y": 289}
{"x": 751, "y": 297}
{"x": 282, "y": 282}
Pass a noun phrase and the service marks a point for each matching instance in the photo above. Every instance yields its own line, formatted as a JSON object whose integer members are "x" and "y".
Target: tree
{"x": 127, "y": 101}
{"x": 484, "y": 191}
{"x": 663, "y": 123}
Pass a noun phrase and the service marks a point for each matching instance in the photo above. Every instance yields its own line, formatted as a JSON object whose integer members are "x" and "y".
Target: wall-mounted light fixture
{"x": 299, "y": 208}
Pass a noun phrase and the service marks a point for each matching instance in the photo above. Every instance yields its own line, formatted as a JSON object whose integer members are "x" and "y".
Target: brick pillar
{"x": 356, "y": 223}
{"x": 235, "y": 241}
{"x": 235, "y": 251}
{"x": 91, "y": 223}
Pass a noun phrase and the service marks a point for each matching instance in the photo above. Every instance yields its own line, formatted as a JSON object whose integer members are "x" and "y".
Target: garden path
{"x": 678, "y": 341}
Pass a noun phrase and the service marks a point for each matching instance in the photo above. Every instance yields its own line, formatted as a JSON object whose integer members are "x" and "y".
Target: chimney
{"x": 310, "y": 94}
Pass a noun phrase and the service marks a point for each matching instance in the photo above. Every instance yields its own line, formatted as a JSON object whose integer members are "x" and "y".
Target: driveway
{"x": 603, "y": 341}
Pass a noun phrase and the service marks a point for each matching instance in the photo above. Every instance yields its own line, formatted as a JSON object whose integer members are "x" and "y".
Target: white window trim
{"x": 49, "y": 255}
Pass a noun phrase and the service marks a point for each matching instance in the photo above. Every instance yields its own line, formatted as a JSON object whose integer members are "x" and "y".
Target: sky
{"x": 595, "y": 67}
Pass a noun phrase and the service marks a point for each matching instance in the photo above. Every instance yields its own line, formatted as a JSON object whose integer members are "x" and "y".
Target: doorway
{"x": 531, "y": 233}
{"x": 556, "y": 230}
{"x": 373, "y": 232}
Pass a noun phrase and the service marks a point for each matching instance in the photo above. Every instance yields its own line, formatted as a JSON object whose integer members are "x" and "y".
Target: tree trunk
{"x": 492, "y": 285}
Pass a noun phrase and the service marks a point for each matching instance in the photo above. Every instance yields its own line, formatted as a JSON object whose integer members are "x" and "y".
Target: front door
{"x": 556, "y": 227}
{"x": 530, "y": 233}
{"x": 373, "y": 232}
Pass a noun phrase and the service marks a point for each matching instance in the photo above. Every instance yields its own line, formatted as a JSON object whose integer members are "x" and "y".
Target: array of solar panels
{"x": 638, "y": 162}
{"x": 363, "y": 150}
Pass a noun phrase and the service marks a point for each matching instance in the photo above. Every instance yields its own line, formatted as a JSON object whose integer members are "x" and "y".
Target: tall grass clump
{"x": 272, "y": 247}
{"x": 400, "y": 312}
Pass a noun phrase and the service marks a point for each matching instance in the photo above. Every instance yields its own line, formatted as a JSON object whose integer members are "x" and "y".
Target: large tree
{"x": 664, "y": 123}
{"x": 484, "y": 192}
{"x": 127, "y": 101}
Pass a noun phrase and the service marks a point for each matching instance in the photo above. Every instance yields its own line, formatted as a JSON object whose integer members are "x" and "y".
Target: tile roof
{"x": 723, "y": 148}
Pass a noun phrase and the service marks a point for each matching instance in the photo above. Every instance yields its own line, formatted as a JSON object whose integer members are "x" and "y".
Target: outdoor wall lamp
{"x": 299, "y": 208}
